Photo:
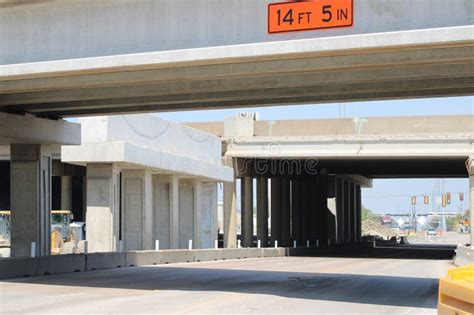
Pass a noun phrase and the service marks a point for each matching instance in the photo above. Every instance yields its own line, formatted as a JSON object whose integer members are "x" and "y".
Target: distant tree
{"x": 367, "y": 214}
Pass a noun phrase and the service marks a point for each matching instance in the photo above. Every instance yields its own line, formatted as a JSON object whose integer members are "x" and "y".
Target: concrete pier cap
{"x": 148, "y": 141}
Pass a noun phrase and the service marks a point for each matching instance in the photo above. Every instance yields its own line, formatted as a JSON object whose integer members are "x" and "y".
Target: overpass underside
{"x": 318, "y": 201}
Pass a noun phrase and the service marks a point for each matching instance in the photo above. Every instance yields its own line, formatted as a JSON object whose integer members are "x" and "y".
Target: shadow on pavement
{"x": 352, "y": 288}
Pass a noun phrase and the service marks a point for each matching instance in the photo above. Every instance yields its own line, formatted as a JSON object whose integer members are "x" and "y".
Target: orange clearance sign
{"x": 309, "y": 15}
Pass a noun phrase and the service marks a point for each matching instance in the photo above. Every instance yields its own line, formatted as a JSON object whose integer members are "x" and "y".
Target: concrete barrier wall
{"x": 39, "y": 266}
{"x": 464, "y": 256}
{"x": 46, "y": 265}
{"x": 98, "y": 261}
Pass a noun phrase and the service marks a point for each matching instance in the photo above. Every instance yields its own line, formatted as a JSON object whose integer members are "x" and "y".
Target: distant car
{"x": 431, "y": 232}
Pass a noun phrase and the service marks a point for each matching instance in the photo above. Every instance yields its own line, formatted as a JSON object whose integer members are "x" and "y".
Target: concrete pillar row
{"x": 262, "y": 210}
{"x": 285, "y": 212}
{"x": 276, "y": 209}
{"x": 30, "y": 199}
{"x": 66, "y": 193}
{"x": 230, "y": 210}
{"x": 246, "y": 213}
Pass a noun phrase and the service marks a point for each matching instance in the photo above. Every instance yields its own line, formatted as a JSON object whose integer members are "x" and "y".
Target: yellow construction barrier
{"x": 456, "y": 292}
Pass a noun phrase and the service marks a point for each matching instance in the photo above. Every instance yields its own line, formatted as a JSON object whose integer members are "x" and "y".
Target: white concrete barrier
{"x": 98, "y": 261}
{"x": 61, "y": 264}
{"x": 464, "y": 256}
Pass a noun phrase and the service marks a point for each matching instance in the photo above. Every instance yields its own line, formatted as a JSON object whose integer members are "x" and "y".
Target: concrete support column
{"x": 137, "y": 210}
{"x": 347, "y": 221}
{"x": 208, "y": 229}
{"x": 103, "y": 203}
{"x": 161, "y": 208}
{"x": 305, "y": 211}
{"x": 331, "y": 213}
{"x": 296, "y": 211}
{"x": 314, "y": 210}
{"x": 352, "y": 212}
{"x": 323, "y": 209}
{"x": 340, "y": 210}
{"x": 30, "y": 199}
{"x": 197, "y": 207}
{"x": 66, "y": 193}
{"x": 276, "y": 209}
{"x": 186, "y": 212}
{"x": 230, "y": 211}
{"x": 285, "y": 212}
{"x": 358, "y": 200}
{"x": 262, "y": 210}
{"x": 174, "y": 212}
{"x": 246, "y": 213}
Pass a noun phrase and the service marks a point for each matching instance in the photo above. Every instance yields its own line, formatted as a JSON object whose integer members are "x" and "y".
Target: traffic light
{"x": 426, "y": 200}
{"x": 413, "y": 200}
{"x": 448, "y": 198}
{"x": 443, "y": 200}
{"x": 461, "y": 196}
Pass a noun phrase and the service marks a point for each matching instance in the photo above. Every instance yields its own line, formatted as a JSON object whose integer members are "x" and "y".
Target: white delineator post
{"x": 86, "y": 247}
{"x": 238, "y": 243}
{"x": 190, "y": 246}
{"x": 307, "y": 243}
{"x": 276, "y": 244}
{"x": 216, "y": 244}
{"x": 294, "y": 244}
{"x": 258, "y": 243}
{"x": 317, "y": 243}
{"x": 33, "y": 249}
{"x": 157, "y": 245}
{"x": 471, "y": 197}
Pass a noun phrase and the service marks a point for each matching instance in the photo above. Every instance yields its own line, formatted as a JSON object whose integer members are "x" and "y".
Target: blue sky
{"x": 386, "y": 195}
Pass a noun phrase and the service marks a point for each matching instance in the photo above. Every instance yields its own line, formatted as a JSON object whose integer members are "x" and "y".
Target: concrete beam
{"x": 360, "y": 180}
{"x": 302, "y": 78}
{"x": 29, "y": 129}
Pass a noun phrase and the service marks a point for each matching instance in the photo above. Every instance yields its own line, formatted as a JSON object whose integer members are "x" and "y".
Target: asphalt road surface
{"x": 267, "y": 285}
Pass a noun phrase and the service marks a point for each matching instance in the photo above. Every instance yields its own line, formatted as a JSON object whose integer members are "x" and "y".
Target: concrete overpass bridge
{"x": 104, "y": 58}
{"x": 317, "y": 168}
{"x": 91, "y": 58}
